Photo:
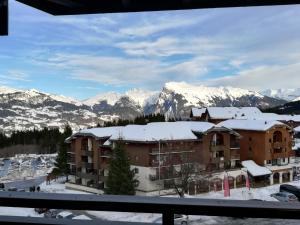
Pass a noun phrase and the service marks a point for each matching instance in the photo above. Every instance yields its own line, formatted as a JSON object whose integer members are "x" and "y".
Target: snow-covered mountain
{"x": 28, "y": 109}
{"x": 180, "y": 97}
{"x": 138, "y": 96}
{"x": 285, "y": 94}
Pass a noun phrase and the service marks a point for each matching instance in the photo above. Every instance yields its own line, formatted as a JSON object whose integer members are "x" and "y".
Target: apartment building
{"x": 268, "y": 144}
{"x": 85, "y": 159}
{"x": 157, "y": 152}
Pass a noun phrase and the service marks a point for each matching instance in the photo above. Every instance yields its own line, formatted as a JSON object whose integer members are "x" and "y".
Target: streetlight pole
{"x": 159, "y": 167}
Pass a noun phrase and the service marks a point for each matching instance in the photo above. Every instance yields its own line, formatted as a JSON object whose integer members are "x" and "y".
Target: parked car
{"x": 2, "y": 185}
{"x": 181, "y": 219}
{"x": 40, "y": 210}
{"x": 291, "y": 189}
{"x": 81, "y": 217}
{"x": 21, "y": 190}
{"x": 285, "y": 197}
{"x": 12, "y": 189}
{"x": 65, "y": 215}
{"x": 51, "y": 213}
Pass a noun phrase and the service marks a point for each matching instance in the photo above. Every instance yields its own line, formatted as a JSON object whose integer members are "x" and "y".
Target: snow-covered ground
{"x": 237, "y": 194}
{"x": 26, "y": 166}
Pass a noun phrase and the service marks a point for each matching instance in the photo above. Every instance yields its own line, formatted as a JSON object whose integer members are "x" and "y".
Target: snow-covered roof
{"x": 181, "y": 130}
{"x": 254, "y": 169}
{"x": 297, "y": 129}
{"x": 233, "y": 112}
{"x": 257, "y": 125}
{"x": 297, "y": 144}
{"x": 198, "y": 111}
{"x": 99, "y": 132}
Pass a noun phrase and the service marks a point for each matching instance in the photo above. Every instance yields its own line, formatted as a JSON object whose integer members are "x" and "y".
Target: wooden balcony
{"x": 278, "y": 145}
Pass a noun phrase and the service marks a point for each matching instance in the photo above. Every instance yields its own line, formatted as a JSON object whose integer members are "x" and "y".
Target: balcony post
{"x": 3, "y": 17}
{"x": 168, "y": 218}
{"x": 291, "y": 175}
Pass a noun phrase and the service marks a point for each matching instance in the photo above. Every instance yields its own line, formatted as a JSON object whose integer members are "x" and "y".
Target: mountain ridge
{"x": 32, "y": 109}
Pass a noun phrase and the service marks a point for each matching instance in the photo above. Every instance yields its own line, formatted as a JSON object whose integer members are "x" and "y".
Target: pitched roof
{"x": 197, "y": 112}
{"x": 99, "y": 132}
{"x": 181, "y": 130}
{"x": 233, "y": 112}
{"x": 257, "y": 125}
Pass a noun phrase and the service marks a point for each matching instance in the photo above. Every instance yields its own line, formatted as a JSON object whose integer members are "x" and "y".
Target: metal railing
{"x": 168, "y": 207}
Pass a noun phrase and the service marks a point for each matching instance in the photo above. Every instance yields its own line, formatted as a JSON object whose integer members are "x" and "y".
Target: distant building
{"x": 218, "y": 114}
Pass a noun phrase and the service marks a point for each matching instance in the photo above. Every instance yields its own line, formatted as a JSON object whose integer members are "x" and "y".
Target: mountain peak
{"x": 7, "y": 90}
{"x": 289, "y": 94}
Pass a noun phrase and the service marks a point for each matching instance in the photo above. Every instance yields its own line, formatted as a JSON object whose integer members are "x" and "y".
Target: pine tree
{"x": 121, "y": 179}
{"x": 62, "y": 158}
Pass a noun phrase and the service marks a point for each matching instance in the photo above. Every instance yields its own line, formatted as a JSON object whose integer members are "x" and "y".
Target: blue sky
{"x": 81, "y": 56}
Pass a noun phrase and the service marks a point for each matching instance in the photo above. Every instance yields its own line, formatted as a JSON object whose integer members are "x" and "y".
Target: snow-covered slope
{"x": 110, "y": 97}
{"x": 206, "y": 95}
{"x": 286, "y": 94}
{"x": 7, "y": 90}
{"x": 138, "y": 96}
{"x": 31, "y": 109}
{"x": 180, "y": 97}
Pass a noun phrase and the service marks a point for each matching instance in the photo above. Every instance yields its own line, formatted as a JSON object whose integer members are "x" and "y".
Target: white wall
{"x": 145, "y": 184}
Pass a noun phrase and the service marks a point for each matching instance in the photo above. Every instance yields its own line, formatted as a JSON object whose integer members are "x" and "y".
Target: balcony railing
{"x": 105, "y": 154}
{"x": 278, "y": 145}
{"x": 165, "y": 206}
{"x": 86, "y": 153}
{"x": 87, "y": 165}
{"x": 235, "y": 145}
{"x": 91, "y": 176}
{"x": 216, "y": 148}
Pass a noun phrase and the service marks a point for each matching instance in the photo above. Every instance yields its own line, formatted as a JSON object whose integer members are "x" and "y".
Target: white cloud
{"x": 120, "y": 71}
{"x": 162, "y": 23}
{"x": 15, "y": 75}
{"x": 168, "y": 46}
{"x": 263, "y": 77}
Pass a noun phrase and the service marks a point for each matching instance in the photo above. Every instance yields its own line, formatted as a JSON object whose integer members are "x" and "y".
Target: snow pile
{"x": 254, "y": 169}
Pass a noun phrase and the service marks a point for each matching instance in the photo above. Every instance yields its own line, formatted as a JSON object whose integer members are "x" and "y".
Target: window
{"x": 277, "y": 136}
{"x": 250, "y": 138}
{"x": 250, "y": 149}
